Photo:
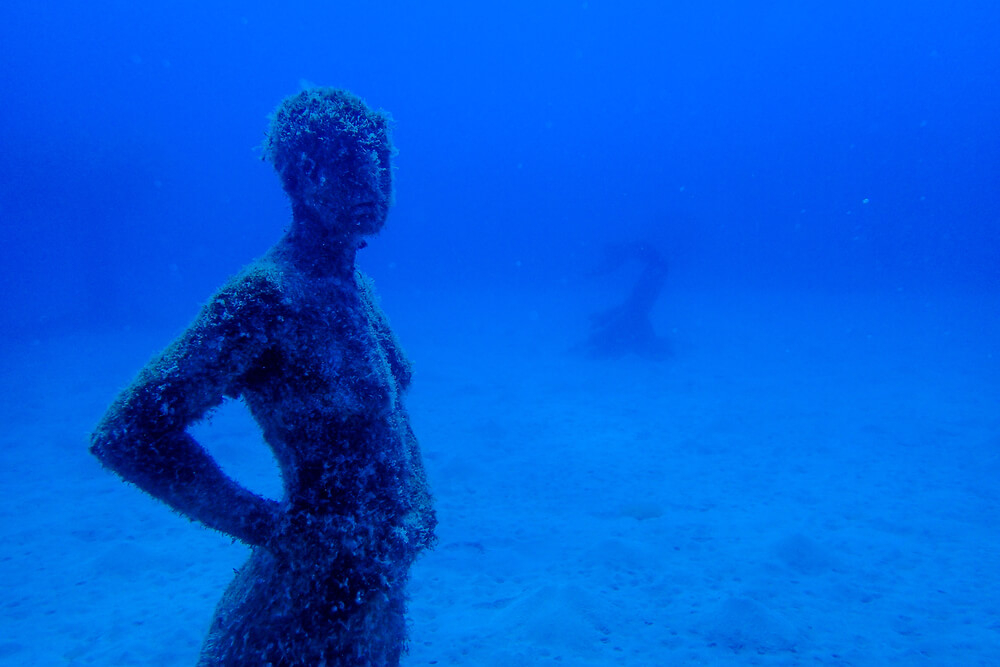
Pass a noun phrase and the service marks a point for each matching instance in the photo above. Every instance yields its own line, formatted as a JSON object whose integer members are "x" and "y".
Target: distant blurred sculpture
{"x": 626, "y": 328}
{"x": 299, "y": 336}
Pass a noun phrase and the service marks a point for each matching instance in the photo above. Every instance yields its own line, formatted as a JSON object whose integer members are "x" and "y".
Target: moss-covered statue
{"x": 299, "y": 337}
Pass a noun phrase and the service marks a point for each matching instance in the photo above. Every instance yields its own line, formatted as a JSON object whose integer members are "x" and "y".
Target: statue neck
{"x": 316, "y": 247}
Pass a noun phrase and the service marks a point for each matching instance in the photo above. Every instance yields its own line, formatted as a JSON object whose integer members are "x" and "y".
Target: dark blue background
{"x": 826, "y": 146}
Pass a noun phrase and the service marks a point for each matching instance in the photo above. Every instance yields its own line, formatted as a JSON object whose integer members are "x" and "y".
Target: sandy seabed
{"x": 809, "y": 480}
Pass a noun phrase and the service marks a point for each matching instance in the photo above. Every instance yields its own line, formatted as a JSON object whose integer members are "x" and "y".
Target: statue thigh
{"x": 267, "y": 617}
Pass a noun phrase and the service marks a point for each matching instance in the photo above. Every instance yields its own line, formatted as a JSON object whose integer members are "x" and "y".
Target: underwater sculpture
{"x": 626, "y": 328}
{"x": 299, "y": 337}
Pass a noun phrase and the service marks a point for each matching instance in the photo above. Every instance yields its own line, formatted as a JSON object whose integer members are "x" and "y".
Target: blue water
{"x": 820, "y": 177}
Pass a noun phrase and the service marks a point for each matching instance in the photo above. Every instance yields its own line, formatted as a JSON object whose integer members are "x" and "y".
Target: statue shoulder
{"x": 259, "y": 285}
{"x": 253, "y": 301}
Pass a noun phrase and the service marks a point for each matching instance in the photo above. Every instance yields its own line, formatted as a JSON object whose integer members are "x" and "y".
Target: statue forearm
{"x": 174, "y": 468}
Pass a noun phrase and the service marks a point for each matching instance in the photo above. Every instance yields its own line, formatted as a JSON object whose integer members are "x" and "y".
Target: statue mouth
{"x": 364, "y": 210}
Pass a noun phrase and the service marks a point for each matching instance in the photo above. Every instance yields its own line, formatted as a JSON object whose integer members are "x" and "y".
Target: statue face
{"x": 349, "y": 195}
{"x": 334, "y": 156}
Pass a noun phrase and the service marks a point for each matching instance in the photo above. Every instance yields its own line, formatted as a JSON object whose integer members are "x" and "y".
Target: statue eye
{"x": 307, "y": 164}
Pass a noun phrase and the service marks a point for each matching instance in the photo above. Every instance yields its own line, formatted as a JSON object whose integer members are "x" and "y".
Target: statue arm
{"x": 144, "y": 439}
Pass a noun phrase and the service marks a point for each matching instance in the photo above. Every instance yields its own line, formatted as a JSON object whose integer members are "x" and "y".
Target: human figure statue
{"x": 299, "y": 337}
{"x": 626, "y": 328}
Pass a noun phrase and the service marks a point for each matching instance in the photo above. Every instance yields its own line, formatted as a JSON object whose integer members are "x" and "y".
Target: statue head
{"x": 333, "y": 155}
